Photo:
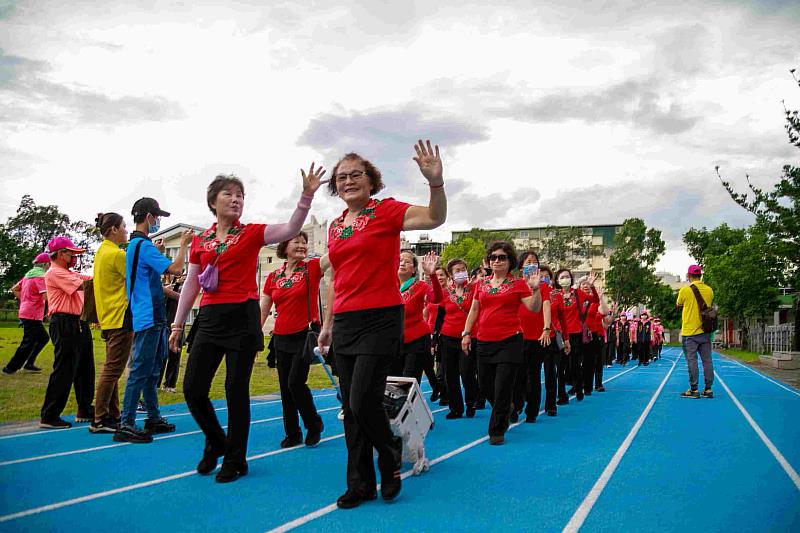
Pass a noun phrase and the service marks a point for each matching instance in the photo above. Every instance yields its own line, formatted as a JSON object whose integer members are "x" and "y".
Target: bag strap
{"x": 135, "y": 265}
{"x": 581, "y": 314}
{"x": 700, "y": 301}
{"x": 308, "y": 296}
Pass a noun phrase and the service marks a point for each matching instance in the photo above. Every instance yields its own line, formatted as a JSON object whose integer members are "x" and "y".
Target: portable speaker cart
{"x": 410, "y": 419}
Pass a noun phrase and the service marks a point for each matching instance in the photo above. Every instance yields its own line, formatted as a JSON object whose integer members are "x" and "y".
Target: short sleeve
{"x": 66, "y": 280}
{"x": 194, "y": 251}
{"x": 545, "y": 291}
{"x": 118, "y": 263}
{"x": 151, "y": 257}
{"x": 681, "y": 296}
{"x": 523, "y": 288}
{"x": 395, "y": 212}
{"x": 38, "y": 283}
{"x": 269, "y": 284}
{"x": 314, "y": 270}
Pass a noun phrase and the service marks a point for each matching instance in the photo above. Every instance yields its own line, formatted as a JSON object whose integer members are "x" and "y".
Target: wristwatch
{"x": 465, "y": 333}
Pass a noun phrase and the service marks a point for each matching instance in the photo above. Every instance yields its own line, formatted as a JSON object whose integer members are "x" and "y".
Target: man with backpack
{"x": 698, "y": 320}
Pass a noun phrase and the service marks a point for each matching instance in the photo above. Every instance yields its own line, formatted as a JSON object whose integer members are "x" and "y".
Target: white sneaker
{"x": 340, "y": 416}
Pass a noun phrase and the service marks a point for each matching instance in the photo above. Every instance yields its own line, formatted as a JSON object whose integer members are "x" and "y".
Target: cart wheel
{"x": 419, "y": 467}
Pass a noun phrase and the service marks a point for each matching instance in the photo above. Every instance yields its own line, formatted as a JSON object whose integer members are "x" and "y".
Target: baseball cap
{"x": 145, "y": 206}
{"x": 695, "y": 270}
{"x": 63, "y": 243}
{"x": 43, "y": 257}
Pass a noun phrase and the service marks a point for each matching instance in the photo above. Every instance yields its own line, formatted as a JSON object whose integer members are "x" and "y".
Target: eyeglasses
{"x": 498, "y": 257}
{"x": 356, "y": 175}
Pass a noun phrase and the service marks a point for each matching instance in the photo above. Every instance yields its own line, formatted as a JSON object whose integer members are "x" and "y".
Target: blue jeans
{"x": 149, "y": 351}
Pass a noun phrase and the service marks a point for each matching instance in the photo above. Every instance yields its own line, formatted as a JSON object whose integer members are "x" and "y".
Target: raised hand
{"x": 429, "y": 262}
{"x": 533, "y": 279}
{"x": 591, "y": 278}
{"x": 312, "y": 180}
{"x": 430, "y": 164}
{"x": 186, "y": 237}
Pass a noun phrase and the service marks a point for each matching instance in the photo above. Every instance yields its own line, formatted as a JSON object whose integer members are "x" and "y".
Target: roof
{"x": 176, "y": 228}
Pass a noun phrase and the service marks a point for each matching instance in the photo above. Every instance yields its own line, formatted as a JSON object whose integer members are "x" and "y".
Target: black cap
{"x": 145, "y": 206}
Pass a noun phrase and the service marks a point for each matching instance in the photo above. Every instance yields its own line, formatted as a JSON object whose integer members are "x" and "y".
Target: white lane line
{"x": 759, "y": 374}
{"x": 588, "y": 502}
{"x": 128, "y": 488}
{"x": 322, "y": 511}
{"x": 791, "y": 472}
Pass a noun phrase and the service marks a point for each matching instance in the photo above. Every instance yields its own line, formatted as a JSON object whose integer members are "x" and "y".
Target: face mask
{"x": 460, "y": 277}
{"x": 546, "y": 279}
{"x": 153, "y": 228}
{"x": 73, "y": 261}
{"x": 564, "y": 282}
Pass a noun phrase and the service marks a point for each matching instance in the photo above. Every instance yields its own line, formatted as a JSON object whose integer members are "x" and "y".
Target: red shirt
{"x": 456, "y": 310}
{"x": 290, "y": 293}
{"x": 533, "y": 323}
{"x": 594, "y": 320}
{"x": 566, "y": 310}
{"x": 31, "y": 298}
{"x": 499, "y": 315}
{"x": 413, "y": 301}
{"x": 433, "y": 310}
{"x": 365, "y": 257}
{"x": 237, "y": 264}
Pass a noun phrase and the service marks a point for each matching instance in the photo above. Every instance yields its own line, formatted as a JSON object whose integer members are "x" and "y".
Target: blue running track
{"x": 637, "y": 457}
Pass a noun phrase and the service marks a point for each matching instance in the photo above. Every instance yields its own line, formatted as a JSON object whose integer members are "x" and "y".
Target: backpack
{"x": 89, "y": 312}
{"x": 708, "y": 315}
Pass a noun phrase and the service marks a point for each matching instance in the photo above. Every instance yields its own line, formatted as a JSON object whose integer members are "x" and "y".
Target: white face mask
{"x": 564, "y": 282}
{"x": 460, "y": 277}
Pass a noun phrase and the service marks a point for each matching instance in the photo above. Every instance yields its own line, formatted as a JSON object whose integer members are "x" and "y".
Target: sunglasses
{"x": 498, "y": 257}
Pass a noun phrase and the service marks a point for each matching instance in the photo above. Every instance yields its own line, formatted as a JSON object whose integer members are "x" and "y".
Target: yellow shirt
{"x": 109, "y": 285}
{"x": 691, "y": 323}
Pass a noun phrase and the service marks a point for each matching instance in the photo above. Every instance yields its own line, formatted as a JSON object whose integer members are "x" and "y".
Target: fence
{"x": 767, "y": 339}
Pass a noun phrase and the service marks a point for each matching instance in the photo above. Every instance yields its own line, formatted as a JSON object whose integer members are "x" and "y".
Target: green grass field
{"x": 21, "y": 395}
{"x": 741, "y": 355}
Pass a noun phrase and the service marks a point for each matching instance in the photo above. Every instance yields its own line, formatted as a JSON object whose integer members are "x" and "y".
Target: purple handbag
{"x": 209, "y": 278}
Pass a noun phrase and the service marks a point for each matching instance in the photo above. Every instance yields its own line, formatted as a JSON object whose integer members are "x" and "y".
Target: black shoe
{"x": 496, "y": 440}
{"x": 354, "y": 498}
{"x": 209, "y": 462}
{"x": 434, "y": 396}
{"x": 707, "y": 393}
{"x": 691, "y": 393}
{"x": 451, "y": 415}
{"x": 106, "y": 425}
{"x": 442, "y": 403}
{"x": 33, "y": 369}
{"x": 588, "y": 393}
{"x": 552, "y": 412}
{"x": 562, "y": 401}
{"x": 313, "y": 435}
{"x": 579, "y": 396}
{"x": 514, "y": 418}
{"x": 85, "y": 416}
{"x": 470, "y": 412}
{"x": 141, "y": 407}
{"x": 291, "y": 442}
{"x": 54, "y": 423}
{"x": 390, "y": 487}
{"x": 154, "y": 427}
{"x": 647, "y": 363}
{"x": 8, "y": 372}
{"x": 530, "y": 419}
{"x": 480, "y": 406}
{"x": 132, "y": 434}
{"x": 600, "y": 389}
{"x": 571, "y": 391}
{"x": 231, "y": 472}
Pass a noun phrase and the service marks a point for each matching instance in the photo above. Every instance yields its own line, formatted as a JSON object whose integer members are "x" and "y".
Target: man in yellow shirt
{"x": 694, "y": 339}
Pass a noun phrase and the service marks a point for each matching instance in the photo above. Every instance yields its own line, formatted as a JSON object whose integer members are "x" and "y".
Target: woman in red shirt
{"x": 416, "y": 332}
{"x": 228, "y": 323}
{"x": 499, "y": 348}
{"x": 567, "y": 305}
{"x": 364, "y": 316}
{"x": 595, "y": 321}
{"x": 293, "y": 289}
{"x": 458, "y": 365}
{"x": 434, "y": 315}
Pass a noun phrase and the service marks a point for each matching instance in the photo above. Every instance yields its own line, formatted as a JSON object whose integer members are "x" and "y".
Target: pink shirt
{"x": 31, "y": 299}
{"x": 64, "y": 290}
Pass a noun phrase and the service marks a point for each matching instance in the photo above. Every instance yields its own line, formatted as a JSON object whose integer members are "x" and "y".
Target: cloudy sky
{"x": 564, "y": 112}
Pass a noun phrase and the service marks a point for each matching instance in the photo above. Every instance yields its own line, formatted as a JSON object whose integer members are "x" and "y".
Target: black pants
{"x": 609, "y": 351}
{"x": 644, "y": 352}
{"x": 34, "y": 339}
{"x": 497, "y": 384}
{"x": 459, "y": 368}
{"x": 635, "y": 351}
{"x": 438, "y": 357}
{"x": 73, "y": 363}
{"x": 203, "y": 362}
{"x": 562, "y": 371}
{"x": 624, "y": 352}
{"x": 169, "y": 369}
{"x": 582, "y": 366}
{"x": 521, "y": 386}
{"x": 362, "y": 379}
{"x": 537, "y": 356}
{"x": 417, "y": 356}
{"x": 593, "y": 363}
{"x": 430, "y": 373}
{"x": 292, "y": 377}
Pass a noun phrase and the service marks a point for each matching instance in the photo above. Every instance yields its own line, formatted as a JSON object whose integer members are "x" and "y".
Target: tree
{"x": 565, "y": 247}
{"x": 777, "y": 214}
{"x": 26, "y": 234}
{"x": 662, "y": 304}
{"x": 702, "y": 242}
{"x": 469, "y": 249}
{"x": 631, "y": 279}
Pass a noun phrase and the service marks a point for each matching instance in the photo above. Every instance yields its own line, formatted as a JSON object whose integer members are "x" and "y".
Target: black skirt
{"x": 235, "y": 327}
{"x": 377, "y": 332}
{"x": 505, "y": 351}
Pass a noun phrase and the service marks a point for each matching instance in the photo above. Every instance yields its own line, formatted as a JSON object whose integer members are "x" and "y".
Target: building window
{"x": 597, "y": 240}
{"x": 269, "y": 260}
{"x": 523, "y": 234}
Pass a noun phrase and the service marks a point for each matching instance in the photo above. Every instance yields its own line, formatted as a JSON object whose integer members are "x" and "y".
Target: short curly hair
{"x": 375, "y": 178}
{"x": 281, "y": 250}
{"x": 507, "y": 248}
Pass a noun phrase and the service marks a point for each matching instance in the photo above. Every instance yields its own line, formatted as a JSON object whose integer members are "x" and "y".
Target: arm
{"x": 324, "y": 263}
{"x": 275, "y": 233}
{"x": 438, "y": 294}
{"x": 434, "y": 215}
{"x": 548, "y": 321}
{"x": 169, "y": 293}
{"x": 191, "y": 288}
{"x": 472, "y": 317}
{"x": 176, "y": 268}
{"x": 266, "y": 308}
{"x": 326, "y": 333}
{"x": 16, "y": 290}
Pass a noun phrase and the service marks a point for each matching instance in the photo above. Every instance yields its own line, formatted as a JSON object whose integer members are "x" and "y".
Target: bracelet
{"x": 546, "y": 329}
{"x": 176, "y": 326}
{"x": 436, "y": 186}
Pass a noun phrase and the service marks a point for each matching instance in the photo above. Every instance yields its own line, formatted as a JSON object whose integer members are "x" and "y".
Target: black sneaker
{"x": 451, "y": 415}
{"x": 8, "y": 372}
{"x": 434, "y": 396}
{"x": 33, "y": 369}
{"x": 313, "y": 435}
{"x": 442, "y": 403}
{"x": 480, "y": 406}
{"x": 209, "y": 462}
{"x": 496, "y": 440}
{"x": 354, "y": 498}
{"x": 390, "y": 487}
{"x": 132, "y": 434}
{"x": 141, "y": 407}
{"x": 562, "y": 401}
{"x": 291, "y": 442}
{"x": 552, "y": 412}
{"x": 600, "y": 389}
{"x": 231, "y": 472}
{"x": 155, "y": 427}
{"x": 86, "y": 415}
{"x": 691, "y": 393}
{"x": 470, "y": 412}
{"x": 514, "y": 418}
{"x": 55, "y": 423}
{"x": 106, "y": 425}
{"x": 530, "y": 419}
{"x": 708, "y": 393}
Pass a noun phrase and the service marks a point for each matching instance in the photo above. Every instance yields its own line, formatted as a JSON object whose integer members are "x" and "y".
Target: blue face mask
{"x": 153, "y": 228}
{"x": 546, "y": 279}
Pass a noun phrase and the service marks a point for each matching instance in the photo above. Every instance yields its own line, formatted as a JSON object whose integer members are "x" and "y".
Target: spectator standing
{"x": 695, "y": 340}
{"x": 32, "y": 295}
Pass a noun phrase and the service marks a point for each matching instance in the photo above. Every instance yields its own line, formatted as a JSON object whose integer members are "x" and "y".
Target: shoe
{"x": 480, "y": 406}
{"x": 209, "y": 462}
{"x": 579, "y": 396}
{"x": 132, "y": 434}
{"x": 170, "y": 389}
{"x": 600, "y": 389}
{"x": 588, "y": 392}
{"x": 105, "y": 425}
{"x": 443, "y": 402}
{"x": 231, "y": 472}
{"x": 608, "y": 366}
{"x": 708, "y": 393}
{"x": 691, "y": 393}
{"x": 571, "y": 391}
{"x": 470, "y": 412}
{"x": 8, "y": 372}
{"x": 154, "y": 427}
{"x": 390, "y": 487}
{"x": 340, "y": 415}
{"x": 55, "y": 423}
{"x": 291, "y": 442}
{"x": 647, "y": 363}
{"x": 354, "y": 498}
{"x": 452, "y": 416}
{"x": 552, "y": 412}
{"x": 313, "y": 436}
{"x": 140, "y": 407}
{"x": 85, "y": 416}
{"x": 514, "y": 418}
{"x": 33, "y": 369}
{"x": 434, "y": 396}
{"x": 530, "y": 419}
{"x": 562, "y": 401}
{"x": 496, "y": 440}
